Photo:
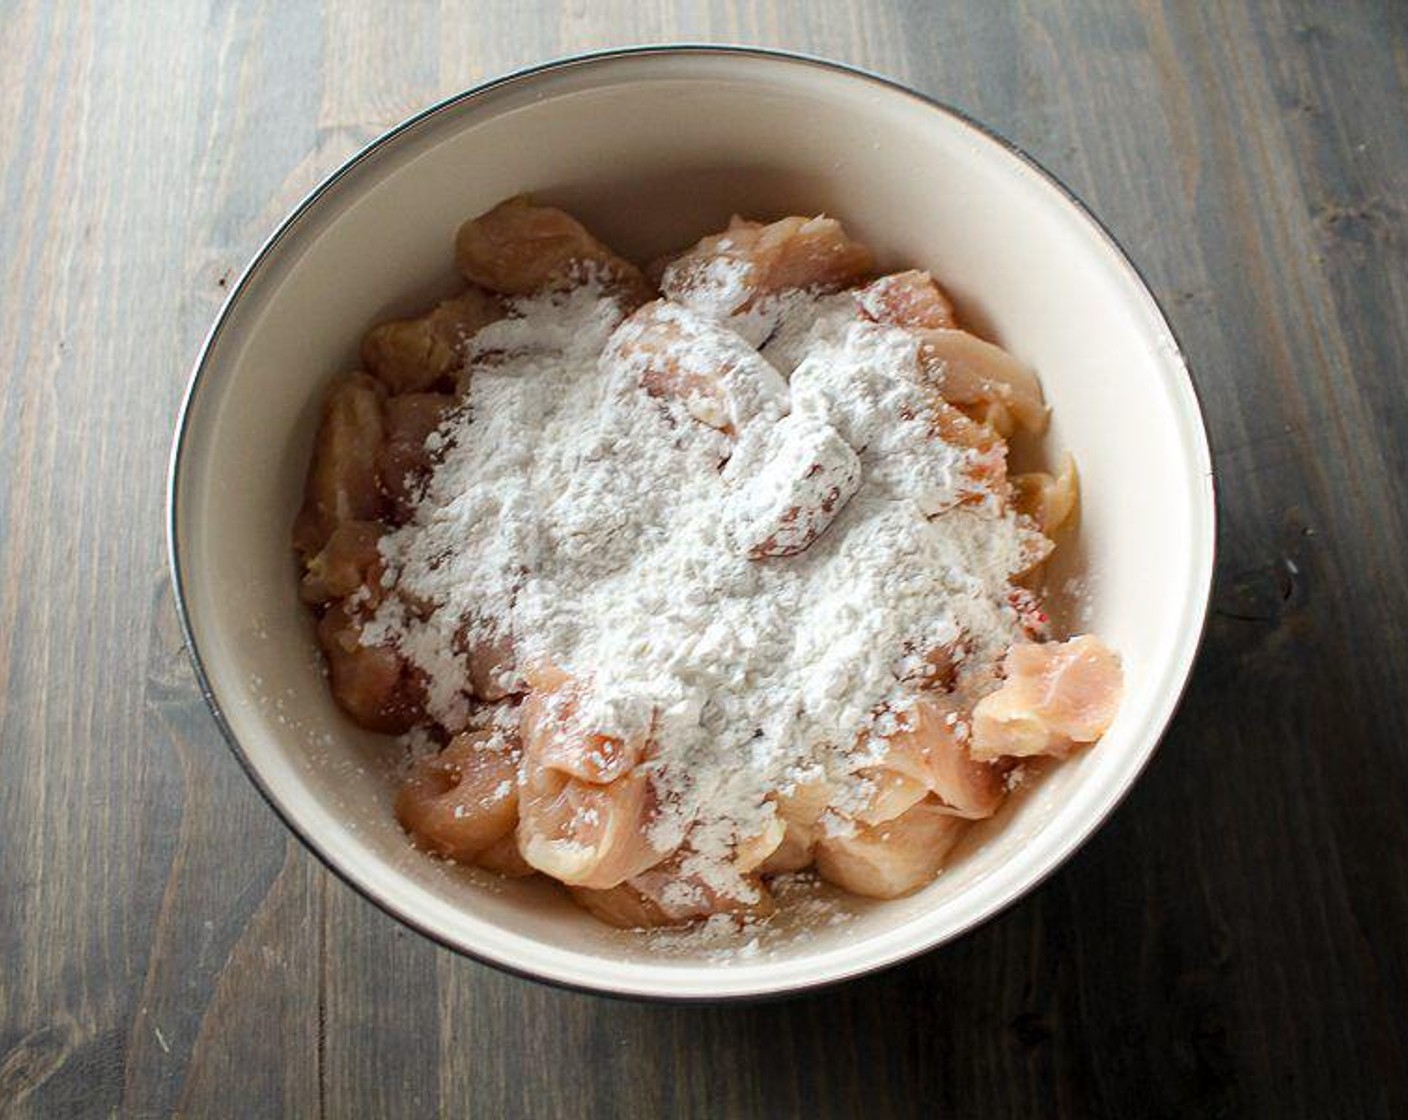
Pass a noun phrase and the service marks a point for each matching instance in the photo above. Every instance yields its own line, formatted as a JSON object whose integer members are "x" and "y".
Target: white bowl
{"x": 651, "y": 148}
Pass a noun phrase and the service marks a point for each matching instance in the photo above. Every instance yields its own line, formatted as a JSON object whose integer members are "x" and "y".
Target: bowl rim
{"x": 1075, "y": 840}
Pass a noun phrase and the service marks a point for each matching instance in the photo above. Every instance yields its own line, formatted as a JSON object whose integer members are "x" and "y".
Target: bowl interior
{"x": 651, "y": 150}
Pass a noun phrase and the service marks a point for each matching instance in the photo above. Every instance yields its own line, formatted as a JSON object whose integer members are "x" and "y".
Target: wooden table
{"x": 1234, "y": 942}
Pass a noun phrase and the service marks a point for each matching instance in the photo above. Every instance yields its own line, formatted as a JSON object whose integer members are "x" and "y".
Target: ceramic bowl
{"x": 651, "y": 148}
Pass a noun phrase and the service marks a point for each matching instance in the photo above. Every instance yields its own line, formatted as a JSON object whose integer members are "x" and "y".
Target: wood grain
{"x": 1232, "y": 943}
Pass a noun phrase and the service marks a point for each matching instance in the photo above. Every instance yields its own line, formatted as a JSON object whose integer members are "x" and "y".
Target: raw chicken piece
{"x": 1031, "y": 615}
{"x": 891, "y": 859}
{"x": 1034, "y": 549}
{"x": 584, "y": 834}
{"x": 1048, "y": 500}
{"x": 504, "y": 858}
{"x": 995, "y": 415}
{"x": 621, "y": 906}
{"x": 411, "y": 355}
{"x": 800, "y": 811}
{"x": 937, "y": 669}
{"x": 491, "y": 665}
{"x": 372, "y": 684}
{"x": 519, "y": 248}
{"x": 793, "y": 854}
{"x": 685, "y": 897}
{"x": 894, "y": 793}
{"x": 464, "y": 799}
{"x": 667, "y": 895}
{"x": 1057, "y": 695}
{"x": 585, "y": 806}
{"x": 928, "y": 750}
{"x": 681, "y": 355}
{"x": 349, "y": 562}
{"x": 342, "y": 482}
{"x": 907, "y": 299}
{"x": 807, "y": 475}
{"x": 752, "y": 852}
{"x": 405, "y": 459}
{"x": 984, "y": 473}
{"x": 975, "y": 375}
{"x": 728, "y": 272}
{"x": 553, "y": 737}
{"x": 958, "y": 428}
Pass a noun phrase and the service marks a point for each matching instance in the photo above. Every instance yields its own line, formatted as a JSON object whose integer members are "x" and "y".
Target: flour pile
{"x": 756, "y": 597}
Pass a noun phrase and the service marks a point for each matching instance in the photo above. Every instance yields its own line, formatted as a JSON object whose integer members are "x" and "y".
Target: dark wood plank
{"x": 1230, "y": 944}
{"x": 134, "y": 856}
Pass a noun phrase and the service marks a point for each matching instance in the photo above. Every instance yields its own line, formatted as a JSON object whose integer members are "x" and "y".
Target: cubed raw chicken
{"x": 464, "y": 799}
{"x": 907, "y": 299}
{"x": 503, "y": 858}
{"x": 730, "y": 271}
{"x": 1049, "y": 500}
{"x": 890, "y": 859}
{"x": 412, "y": 355}
{"x": 1057, "y": 695}
{"x": 936, "y": 669}
{"x": 752, "y": 852}
{"x": 678, "y": 354}
{"x": 892, "y": 794}
{"x": 983, "y": 476}
{"x": 348, "y": 564}
{"x": 929, "y": 749}
{"x": 800, "y": 810}
{"x": 1031, "y": 614}
{"x": 491, "y": 666}
{"x": 405, "y": 459}
{"x": 343, "y": 484}
{"x": 520, "y": 248}
{"x": 667, "y": 895}
{"x": 975, "y": 375}
{"x": 621, "y": 906}
{"x": 554, "y": 738}
{"x": 373, "y": 684}
{"x": 1035, "y": 548}
{"x": 584, "y": 834}
{"x": 585, "y": 806}
{"x": 806, "y": 475}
